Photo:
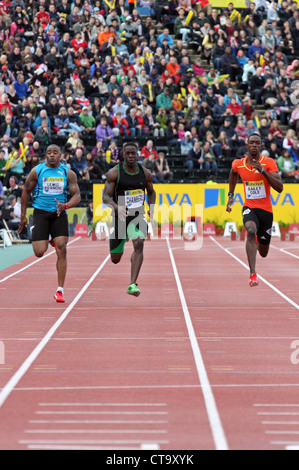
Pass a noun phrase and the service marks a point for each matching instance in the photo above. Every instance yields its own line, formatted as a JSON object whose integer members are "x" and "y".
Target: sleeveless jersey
{"x": 130, "y": 189}
{"x": 256, "y": 188}
{"x": 51, "y": 185}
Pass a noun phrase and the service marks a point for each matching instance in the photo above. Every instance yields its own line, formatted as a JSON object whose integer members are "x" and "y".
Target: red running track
{"x": 198, "y": 361}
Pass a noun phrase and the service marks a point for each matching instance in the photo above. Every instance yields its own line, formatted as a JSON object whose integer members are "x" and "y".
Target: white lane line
{"x": 282, "y": 250}
{"x": 8, "y": 388}
{"x": 92, "y": 441}
{"x": 97, "y": 421}
{"x": 95, "y": 431}
{"x": 281, "y": 422}
{"x": 213, "y": 415}
{"x": 281, "y": 432}
{"x": 156, "y": 387}
{"x": 277, "y": 404}
{"x": 78, "y": 447}
{"x": 289, "y": 253}
{"x": 285, "y": 443}
{"x": 285, "y": 297}
{"x": 281, "y": 413}
{"x": 34, "y": 262}
{"x": 102, "y": 404}
{"x": 93, "y": 413}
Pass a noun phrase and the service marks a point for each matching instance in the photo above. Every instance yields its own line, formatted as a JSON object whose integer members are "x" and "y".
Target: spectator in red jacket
{"x": 79, "y": 41}
{"x": 149, "y": 148}
{"x": 120, "y": 126}
{"x": 234, "y": 106}
{"x": 43, "y": 16}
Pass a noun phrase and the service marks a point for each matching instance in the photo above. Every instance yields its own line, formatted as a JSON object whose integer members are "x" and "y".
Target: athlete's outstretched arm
{"x": 29, "y": 186}
{"x": 233, "y": 179}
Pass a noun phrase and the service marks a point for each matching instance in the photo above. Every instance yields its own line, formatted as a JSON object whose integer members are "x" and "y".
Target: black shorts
{"x": 121, "y": 231}
{"x": 263, "y": 221}
{"x": 48, "y": 223}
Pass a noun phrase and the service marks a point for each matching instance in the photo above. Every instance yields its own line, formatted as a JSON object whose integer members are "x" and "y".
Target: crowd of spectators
{"x": 90, "y": 74}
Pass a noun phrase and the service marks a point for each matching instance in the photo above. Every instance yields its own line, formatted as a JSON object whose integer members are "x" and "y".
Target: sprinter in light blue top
{"x": 49, "y": 183}
{"x": 51, "y": 187}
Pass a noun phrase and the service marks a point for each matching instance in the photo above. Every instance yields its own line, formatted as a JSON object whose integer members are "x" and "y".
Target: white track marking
{"x": 285, "y": 297}
{"x": 8, "y": 388}
{"x": 96, "y": 421}
{"x": 94, "y": 413}
{"x": 36, "y": 261}
{"x": 282, "y": 250}
{"x": 93, "y": 444}
{"x": 95, "y": 431}
{"x": 103, "y": 404}
{"x": 213, "y": 415}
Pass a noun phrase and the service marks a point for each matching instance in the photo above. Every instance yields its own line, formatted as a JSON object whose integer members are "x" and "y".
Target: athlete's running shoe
{"x": 133, "y": 290}
{"x": 253, "y": 280}
{"x": 59, "y": 296}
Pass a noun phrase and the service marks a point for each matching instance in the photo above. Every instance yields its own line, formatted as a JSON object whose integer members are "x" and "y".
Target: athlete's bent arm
{"x": 29, "y": 186}
{"x": 73, "y": 189}
{"x": 233, "y": 179}
{"x": 109, "y": 189}
{"x": 273, "y": 178}
{"x": 74, "y": 192}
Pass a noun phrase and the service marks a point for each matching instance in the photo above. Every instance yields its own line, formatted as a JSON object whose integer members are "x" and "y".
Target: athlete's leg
{"x": 136, "y": 258}
{"x": 40, "y": 232}
{"x": 116, "y": 257}
{"x": 263, "y": 250}
{"x": 251, "y": 246}
{"x": 264, "y": 233}
{"x": 118, "y": 237}
{"x": 60, "y": 244}
{"x": 40, "y": 247}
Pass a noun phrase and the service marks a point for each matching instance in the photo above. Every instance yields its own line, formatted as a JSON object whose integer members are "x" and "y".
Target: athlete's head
{"x": 53, "y": 156}
{"x": 254, "y": 145}
{"x": 130, "y": 153}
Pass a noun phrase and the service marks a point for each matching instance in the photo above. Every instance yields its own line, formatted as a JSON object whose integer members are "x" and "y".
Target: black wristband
{"x": 230, "y": 194}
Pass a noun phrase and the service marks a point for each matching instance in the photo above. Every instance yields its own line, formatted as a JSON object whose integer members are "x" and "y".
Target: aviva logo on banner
{"x": 214, "y": 197}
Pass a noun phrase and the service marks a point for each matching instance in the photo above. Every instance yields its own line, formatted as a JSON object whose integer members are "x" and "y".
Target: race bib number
{"x": 53, "y": 185}
{"x": 255, "y": 190}
{"x": 134, "y": 198}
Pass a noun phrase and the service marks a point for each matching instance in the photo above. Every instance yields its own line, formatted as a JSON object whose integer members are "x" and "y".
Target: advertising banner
{"x": 178, "y": 202}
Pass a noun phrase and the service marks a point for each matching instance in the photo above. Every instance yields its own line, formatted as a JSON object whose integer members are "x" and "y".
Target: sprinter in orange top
{"x": 259, "y": 175}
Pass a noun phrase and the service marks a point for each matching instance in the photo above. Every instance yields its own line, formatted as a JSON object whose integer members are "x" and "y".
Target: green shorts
{"x": 122, "y": 231}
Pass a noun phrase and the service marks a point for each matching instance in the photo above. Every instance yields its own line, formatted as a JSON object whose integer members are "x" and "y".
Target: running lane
{"x": 117, "y": 372}
{"x": 247, "y": 338}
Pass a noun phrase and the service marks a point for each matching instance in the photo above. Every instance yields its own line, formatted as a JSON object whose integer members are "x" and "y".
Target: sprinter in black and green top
{"x": 124, "y": 192}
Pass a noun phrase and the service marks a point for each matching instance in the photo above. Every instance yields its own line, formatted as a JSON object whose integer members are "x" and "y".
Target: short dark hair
{"x": 130, "y": 144}
{"x": 255, "y": 134}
